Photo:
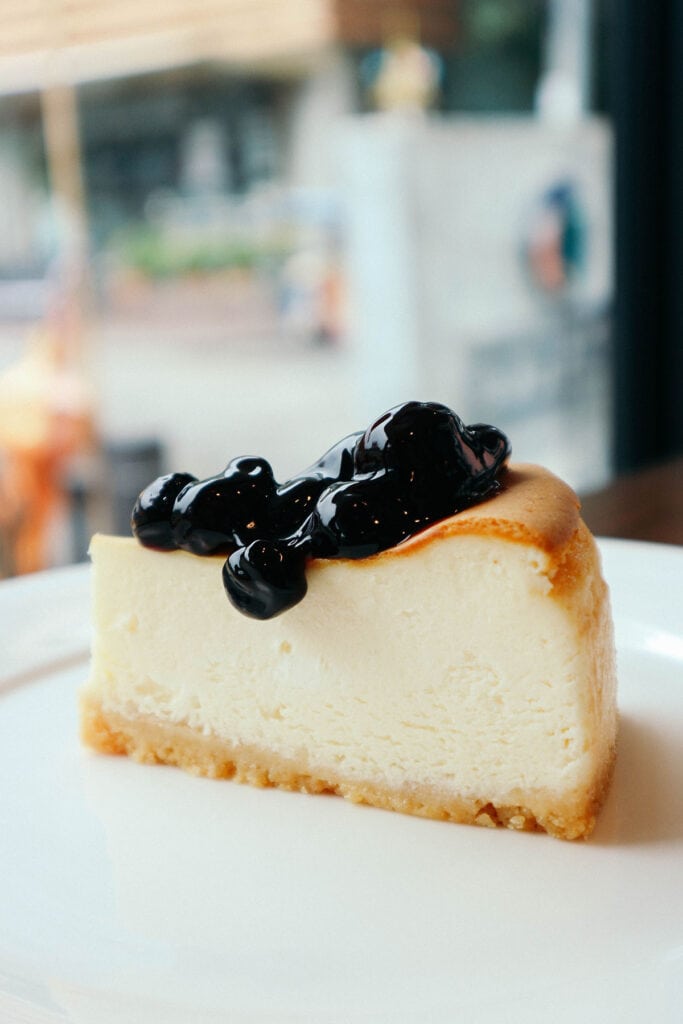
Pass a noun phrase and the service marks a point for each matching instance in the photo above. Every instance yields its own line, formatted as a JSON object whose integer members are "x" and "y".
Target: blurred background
{"x": 250, "y": 226}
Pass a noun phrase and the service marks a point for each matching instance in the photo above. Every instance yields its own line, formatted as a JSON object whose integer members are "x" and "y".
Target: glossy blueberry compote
{"x": 415, "y": 465}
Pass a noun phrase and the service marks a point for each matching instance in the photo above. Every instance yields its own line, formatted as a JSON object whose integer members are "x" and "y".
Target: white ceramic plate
{"x": 132, "y": 894}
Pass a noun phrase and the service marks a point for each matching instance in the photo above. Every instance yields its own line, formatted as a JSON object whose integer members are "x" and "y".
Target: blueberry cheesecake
{"x": 413, "y": 622}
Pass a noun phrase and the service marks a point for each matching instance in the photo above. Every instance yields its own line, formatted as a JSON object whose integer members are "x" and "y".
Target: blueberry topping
{"x": 211, "y": 516}
{"x": 265, "y": 578}
{"x": 294, "y": 502}
{"x": 359, "y": 518}
{"x": 415, "y": 465}
{"x": 249, "y": 468}
{"x": 337, "y": 463}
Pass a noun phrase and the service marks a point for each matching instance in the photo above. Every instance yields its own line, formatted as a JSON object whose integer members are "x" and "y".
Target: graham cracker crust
{"x": 153, "y": 741}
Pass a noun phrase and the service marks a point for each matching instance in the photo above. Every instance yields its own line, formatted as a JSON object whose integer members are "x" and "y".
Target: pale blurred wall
{"x": 443, "y": 305}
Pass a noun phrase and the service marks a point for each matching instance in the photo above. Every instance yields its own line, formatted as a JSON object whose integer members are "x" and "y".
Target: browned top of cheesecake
{"x": 533, "y": 507}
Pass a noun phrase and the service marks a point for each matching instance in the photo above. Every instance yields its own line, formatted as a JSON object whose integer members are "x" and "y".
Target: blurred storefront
{"x": 406, "y": 200}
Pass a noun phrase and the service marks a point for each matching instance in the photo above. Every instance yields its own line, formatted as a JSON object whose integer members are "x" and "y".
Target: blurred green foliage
{"x": 151, "y": 252}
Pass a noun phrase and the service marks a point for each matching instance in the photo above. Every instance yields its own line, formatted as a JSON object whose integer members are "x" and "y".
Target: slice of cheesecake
{"x": 467, "y": 673}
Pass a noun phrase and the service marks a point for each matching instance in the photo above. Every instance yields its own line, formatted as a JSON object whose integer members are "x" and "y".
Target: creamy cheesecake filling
{"x": 462, "y": 674}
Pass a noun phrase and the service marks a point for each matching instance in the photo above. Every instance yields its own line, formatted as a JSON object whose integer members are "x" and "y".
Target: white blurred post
{"x": 563, "y": 93}
{"x": 377, "y": 163}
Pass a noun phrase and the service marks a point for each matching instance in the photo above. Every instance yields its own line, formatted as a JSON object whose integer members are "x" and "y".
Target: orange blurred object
{"x": 46, "y": 418}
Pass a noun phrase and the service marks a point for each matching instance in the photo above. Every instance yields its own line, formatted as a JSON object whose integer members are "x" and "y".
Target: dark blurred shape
{"x": 129, "y": 465}
{"x": 648, "y": 115}
{"x": 498, "y": 57}
{"x": 79, "y": 520}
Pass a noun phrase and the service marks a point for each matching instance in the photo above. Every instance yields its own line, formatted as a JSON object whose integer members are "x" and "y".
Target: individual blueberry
{"x": 258, "y": 471}
{"x": 489, "y": 445}
{"x": 265, "y": 578}
{"x": 151, "y": 516}
{"x": 414, "y": 438}
{"x": 359, "y": 518}
{"x": 215, "y": 515}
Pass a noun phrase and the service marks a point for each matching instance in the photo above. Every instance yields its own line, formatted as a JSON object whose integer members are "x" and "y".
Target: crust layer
{"x": 152, "y": 741}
